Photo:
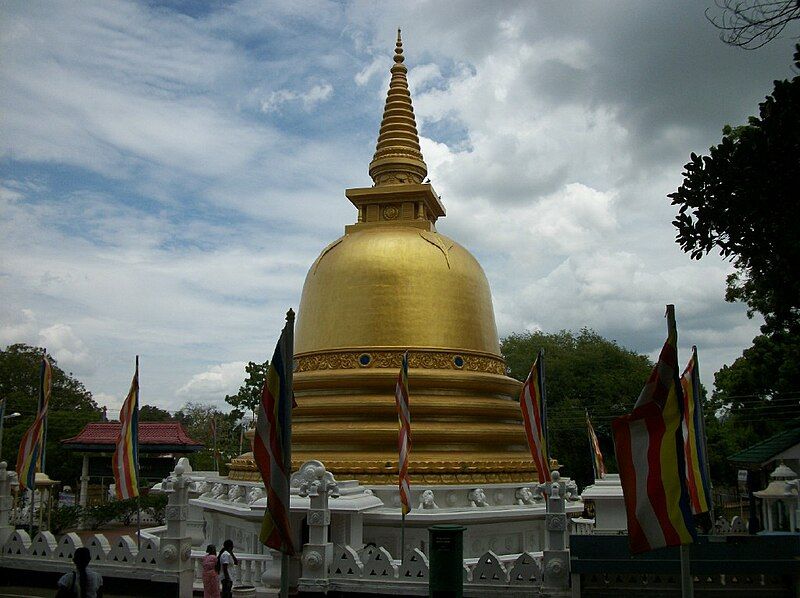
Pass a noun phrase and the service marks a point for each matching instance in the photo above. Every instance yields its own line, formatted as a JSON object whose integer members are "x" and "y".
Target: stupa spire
{"x": 398, "y": 159}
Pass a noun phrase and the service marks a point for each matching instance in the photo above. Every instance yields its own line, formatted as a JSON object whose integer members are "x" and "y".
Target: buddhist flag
{"x": 694, "y": 446}
{"x": 534, "y": 416}
{"x": 598, "y": 465}
{"x": 649, "y": 449}
{"x": 125, "y": 462}
{"x": 272, "y": 445}
{"x": 404, "y": 435}
{"x": 31, "y": 447}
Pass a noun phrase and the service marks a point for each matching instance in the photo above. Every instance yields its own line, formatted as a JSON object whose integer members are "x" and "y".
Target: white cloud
{"x": 213, "y": 384}
{"x": 181, "y": 176}
{"x": 66, "y": 347}
{"x": 309, "y": 99}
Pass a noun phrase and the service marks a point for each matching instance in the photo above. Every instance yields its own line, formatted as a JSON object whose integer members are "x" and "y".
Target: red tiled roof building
{"x": 154, "y": 437}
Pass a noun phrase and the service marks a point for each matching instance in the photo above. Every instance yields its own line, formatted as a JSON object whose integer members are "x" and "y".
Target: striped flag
{"x": 598, "y": 465}
{"x": 125, "y": 462}
{"x": 404, "y": 435}
{"x": 649, "y": 449}
{"x": 272, "y": 445}
{"x": 31, "y": 447}
{"x": 694, "y": 439}
{"x": 534, "y": 416}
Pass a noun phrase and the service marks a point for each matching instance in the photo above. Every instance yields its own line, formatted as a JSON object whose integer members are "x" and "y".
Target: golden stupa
{"x": 392, "y": 284}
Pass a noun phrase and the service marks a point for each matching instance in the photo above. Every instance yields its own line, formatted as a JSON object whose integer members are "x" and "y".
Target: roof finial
{"x": 398, "y": 159}
{"x": 398, "y": 51}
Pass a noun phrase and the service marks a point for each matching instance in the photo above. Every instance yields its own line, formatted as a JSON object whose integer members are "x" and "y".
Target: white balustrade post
{"x": 6, "y": 529}
{"x": 83, "y": 497}
{"x": 556, "y": 555}
{"x": 175, "y": 552}
{"x": 317, "y": 484}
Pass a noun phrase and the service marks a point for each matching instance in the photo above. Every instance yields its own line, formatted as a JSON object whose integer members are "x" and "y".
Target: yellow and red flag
{"x": 272, "y": 446}
{"x": 31, "y": 446}
{"x": 404, "y": 435}
{"x": 694, "y": 439}
{"x": 598, "y": 465}
{"x": 125, "y": 462}
{"x": 534, "y": 416}
{"x": 649, "y": 448}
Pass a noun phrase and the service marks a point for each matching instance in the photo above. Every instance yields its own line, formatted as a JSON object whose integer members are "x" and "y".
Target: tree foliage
{"x": 151, "y": 413}
{"x": 755, "y": 397}
{"x": 751, "y": 24}
{"x": 20, "y": 368}
{"x": 196, "y": 419}
{"x": 71, "y": 408}
{"x": 249, "y": 394}
{"x": 584, "y": 371}
{"x": 742, "y": 200}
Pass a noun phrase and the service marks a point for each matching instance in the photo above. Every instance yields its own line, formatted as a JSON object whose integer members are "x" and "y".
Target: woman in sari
{"x": 210, "y": 573}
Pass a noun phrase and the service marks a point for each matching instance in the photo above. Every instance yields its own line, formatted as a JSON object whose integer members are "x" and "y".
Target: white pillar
{"x": 318, "y": 484}
{"x": 556, "y": 556}
{"x": 83, "y": 498}
{"x": 175, "y": 551}
{"x": 6, "y": 529}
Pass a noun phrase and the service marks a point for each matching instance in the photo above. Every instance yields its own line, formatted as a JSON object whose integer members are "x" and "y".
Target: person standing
{"x": 210, "y": 573}
{"x": 227, "y": 560}
{"x": 83, "y": 582}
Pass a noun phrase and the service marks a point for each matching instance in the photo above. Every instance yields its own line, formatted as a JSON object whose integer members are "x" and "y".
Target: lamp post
{"x": 2, "y": 425}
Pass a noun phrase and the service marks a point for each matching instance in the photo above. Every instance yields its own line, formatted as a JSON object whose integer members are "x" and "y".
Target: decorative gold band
{"x": 428, "y": 472}
{"x": 422, "y": 359}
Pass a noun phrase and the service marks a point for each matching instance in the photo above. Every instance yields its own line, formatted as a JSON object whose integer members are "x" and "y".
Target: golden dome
{"x": 400, "y": 287}
{"x": 392, "y": 284}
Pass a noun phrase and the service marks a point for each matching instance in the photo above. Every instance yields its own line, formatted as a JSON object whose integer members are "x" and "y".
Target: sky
{"x": 169, "y": 171}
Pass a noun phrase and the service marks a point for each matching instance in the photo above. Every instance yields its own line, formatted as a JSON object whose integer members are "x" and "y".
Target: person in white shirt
{"x": 227, "y": 561}
{"x": 83, "y": 582}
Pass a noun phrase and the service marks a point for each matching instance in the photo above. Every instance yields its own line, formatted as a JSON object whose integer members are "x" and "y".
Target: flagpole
{"x": 402, "y": 535}
{"x": 288, "y": 366}
{"x": 138, "y": 493}
{"x": 42, "y": 399}
{"x": 544, "y": 410}
{"x": 687, "y": 585}
{"x": 705, "y": 439}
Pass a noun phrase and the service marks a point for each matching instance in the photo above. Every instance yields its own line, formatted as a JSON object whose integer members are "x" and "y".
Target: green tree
{"x": 151, "y": 413}
{"x": 20, "y": 372}
{"x": 584, "y": 371}
{"x": 249, "y": 394}
{"x": 71, "y": 407}
{"x": 741, "y": 200}
{"x": 196, "y": 419}
{"x": 758, "y": 395}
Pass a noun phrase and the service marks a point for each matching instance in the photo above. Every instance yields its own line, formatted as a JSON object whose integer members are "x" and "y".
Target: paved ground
{"x": 20, "y": 592}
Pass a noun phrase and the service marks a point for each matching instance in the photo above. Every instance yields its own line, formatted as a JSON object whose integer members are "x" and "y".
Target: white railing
{"x": 109, "y": 556}
{"x": 374, "y": 570}
{"x": 255, "y": 570}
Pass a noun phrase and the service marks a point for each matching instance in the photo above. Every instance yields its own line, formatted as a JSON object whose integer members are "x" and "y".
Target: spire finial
{"x": 398, "y": 159}
{"x": 398, "y": 51}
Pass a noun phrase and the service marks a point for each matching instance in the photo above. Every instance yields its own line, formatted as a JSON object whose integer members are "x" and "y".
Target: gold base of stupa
{"x": 466, "y": 428}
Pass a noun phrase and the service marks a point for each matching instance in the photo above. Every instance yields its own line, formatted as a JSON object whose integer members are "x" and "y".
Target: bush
{"x": 65, "y": 518}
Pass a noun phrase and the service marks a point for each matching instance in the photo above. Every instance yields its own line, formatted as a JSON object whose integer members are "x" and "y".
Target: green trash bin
{"x": 447, "y": 561}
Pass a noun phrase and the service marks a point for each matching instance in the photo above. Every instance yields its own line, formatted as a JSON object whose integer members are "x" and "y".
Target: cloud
{"x": 66, "y": 347}
{"x": 165, "y": 193}
{"x": 214, "y": 383}
{"x": 309, "y": 99}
